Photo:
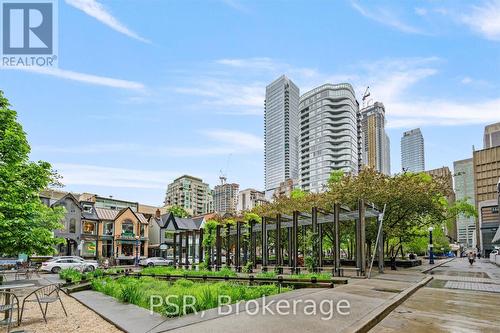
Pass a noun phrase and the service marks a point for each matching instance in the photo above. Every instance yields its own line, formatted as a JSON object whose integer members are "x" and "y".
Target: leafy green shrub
{"x": 181, "y": 272}
{"x": 248, "y": 267}
{"x": 70, "y": 274}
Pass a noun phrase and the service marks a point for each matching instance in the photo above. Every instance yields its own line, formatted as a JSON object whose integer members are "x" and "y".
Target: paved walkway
{"x": 462, "y": 298}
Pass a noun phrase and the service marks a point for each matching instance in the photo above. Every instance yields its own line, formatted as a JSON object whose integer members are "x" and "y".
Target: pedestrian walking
{"x": 470, "y": 256}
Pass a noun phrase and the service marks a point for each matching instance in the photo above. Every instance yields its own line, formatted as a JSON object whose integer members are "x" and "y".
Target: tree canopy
{"x": 413, "y": 201}
{"x": 26, "y": 225}
{"x": 178, "y": 211}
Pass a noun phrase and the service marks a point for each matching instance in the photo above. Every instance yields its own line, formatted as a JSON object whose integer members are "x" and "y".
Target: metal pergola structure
{"x": 317, "y": 218}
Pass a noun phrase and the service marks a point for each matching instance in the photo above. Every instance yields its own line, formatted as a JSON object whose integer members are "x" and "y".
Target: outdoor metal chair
{"x": 23, "y": 271}
{"x": 8, "y": 304}
{"x": 44, "y": 295}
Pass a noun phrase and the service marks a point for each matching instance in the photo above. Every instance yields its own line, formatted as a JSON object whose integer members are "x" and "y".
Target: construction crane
{"x": 366, "y": 95}
{"x": 223, "y": 175}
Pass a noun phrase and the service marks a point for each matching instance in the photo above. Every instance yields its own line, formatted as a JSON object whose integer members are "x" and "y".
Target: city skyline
{"x": 101, "y": 118}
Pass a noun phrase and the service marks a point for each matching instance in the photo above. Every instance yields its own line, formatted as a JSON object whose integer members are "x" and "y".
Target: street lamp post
{"x": 431, "y": 253}
{"x": 137, "y": 250}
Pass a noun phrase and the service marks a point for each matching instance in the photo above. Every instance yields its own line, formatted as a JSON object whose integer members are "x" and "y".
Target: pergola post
{"x": 193, "y": 248}
{"x": 295, "y": 241}
{"x": 264, "y": 245}
{"x": 180, "y": 250}
{"x": 175, "y": 249}
{"x": 336, "y": 227}
{"x": 320, "y": 246}
{"x": 253, "y": 245}
{"x": 186, "y": 263}
{"x": 277, "y": 245}
{"x": 290, "y": 246}
{"x": 360, "y": 238}
{"x": 314, "y": 227}
{"x": 237, "y": 256}
{"x": 200, "y": 247}
{"x": 218, "y": 247}
{"x": 228, "y": 240}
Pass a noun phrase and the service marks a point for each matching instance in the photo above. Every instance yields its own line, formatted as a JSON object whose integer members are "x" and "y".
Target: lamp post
{"x": 431, "y": 254}
{"x": 137, "y": 250}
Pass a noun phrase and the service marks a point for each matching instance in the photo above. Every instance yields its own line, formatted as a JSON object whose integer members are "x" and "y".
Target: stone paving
{"x": 493, "y": 288}
{"x": 452, "y": 305}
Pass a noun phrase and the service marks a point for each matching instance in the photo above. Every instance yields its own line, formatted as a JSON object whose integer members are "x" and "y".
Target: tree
{"x": 178, "y": 211}
{"x": 26, "y": 225}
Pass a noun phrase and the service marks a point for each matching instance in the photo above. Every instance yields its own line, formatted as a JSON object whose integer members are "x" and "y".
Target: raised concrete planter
{"x": 493, "y": 258}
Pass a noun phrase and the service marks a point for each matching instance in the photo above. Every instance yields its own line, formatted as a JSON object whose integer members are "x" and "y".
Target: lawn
{"x": 146, "y": 290}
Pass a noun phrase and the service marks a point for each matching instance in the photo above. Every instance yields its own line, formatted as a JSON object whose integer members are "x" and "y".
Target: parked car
{"x": 156, "y": 261}
{"x": 72, "y": 257}
{"x": 54, "y": 266}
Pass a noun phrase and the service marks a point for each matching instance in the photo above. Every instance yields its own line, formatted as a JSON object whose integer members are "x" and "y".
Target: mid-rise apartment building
{"x": 190, "y": 193}
{"x": 250, "y": 198}
{"x": 226, "y": 197}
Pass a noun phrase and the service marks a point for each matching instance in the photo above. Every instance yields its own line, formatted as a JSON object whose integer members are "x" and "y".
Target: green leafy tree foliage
{"x": 209, "y": 237}
{"x": 26, "y": 225}
{"x": 178, "y": 211}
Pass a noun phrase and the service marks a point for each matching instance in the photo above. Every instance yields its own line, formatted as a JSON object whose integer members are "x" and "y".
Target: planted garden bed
{"x": 144, "y": 291}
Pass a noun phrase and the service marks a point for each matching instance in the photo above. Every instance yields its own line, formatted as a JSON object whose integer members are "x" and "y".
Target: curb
{"x": 379, "y": 313}
{"x": 98, "y": 314}
{"x": 436, "y": 266}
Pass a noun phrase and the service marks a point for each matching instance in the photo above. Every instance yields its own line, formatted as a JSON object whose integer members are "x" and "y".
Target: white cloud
{"x": 81, "y": 174}
{"x": 227, "y": 95}
{"x": 386, "y": 17}
{"x": 224, "y": 141}
{"x": 484, "y": 19}
{"x": 82, "y": 77}
{"x": 391, "y": 81}
{"x": 242, "y": 140}
{"x": 98, "y": 11}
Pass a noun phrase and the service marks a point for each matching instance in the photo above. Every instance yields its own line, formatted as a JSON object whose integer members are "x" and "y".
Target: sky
{"x": 149, "y": 90}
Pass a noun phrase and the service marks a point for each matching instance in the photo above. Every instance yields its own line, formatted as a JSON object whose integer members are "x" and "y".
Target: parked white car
{"x": 54, "y": 266}
{"x": 72, "y": 257}
{"x": 156, "y": 261}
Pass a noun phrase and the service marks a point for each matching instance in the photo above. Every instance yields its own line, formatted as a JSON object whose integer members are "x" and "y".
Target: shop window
{"x": 127, "y": 250}
{"x": 88, "y": 249}
{"x": 108, "y": 229}
{"x": 128, "y": 228}
{"x": 88, "y": 228}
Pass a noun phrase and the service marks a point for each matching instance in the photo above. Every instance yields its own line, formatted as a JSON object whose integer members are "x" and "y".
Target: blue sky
{"x": 149, "y": 90}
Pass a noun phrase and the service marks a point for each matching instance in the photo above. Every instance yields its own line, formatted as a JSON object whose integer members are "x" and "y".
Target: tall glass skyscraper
{"x": 329, "y": 134}
{"x": 412, "y": 151}
{"x": 375, "y": 141}
{"x": 281, "y": 133}
{"x": 464, "y": 189}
